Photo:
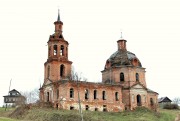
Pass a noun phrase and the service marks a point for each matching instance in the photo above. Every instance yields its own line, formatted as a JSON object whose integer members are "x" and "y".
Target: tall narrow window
{"x": 48, "y": 72}
{"x": 49, "y": 53}
{"x": 104, "y": 95}
{"x": 62, "y": 69}
{"x": 86, "y": 94}
{"x": 95, "y": 94}
{"x": 57, "y": 93}
{"x": 121, "y": 76}
{"x": 116, "y": 96}
{"x": 62, "y": 50}
{"x": 137, "y": 77}
{"x": 71, "y": 93}
{"x": 55, "y": 49}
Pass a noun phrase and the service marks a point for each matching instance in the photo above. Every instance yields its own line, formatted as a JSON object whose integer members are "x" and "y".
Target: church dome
{"x": 122, "y": 57}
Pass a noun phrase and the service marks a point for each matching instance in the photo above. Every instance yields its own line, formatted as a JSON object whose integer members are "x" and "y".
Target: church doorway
{"x": 138, "y": 100}
{"x": 57, "y": 106}
{"x": 47, "y": 96}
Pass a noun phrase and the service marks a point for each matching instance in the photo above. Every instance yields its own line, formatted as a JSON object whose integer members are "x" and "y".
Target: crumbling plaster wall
{"x": 110, "y": 101}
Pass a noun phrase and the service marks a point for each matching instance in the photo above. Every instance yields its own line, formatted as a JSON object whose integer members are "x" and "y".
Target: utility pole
{"x": 8, "y": 93}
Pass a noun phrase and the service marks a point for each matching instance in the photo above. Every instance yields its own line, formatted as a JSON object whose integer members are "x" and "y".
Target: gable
{"x": 47, "y": 82}
{"x": 164, "y": 99}
{"x": 138, "y": 86}
{"x": 138, "y": 89}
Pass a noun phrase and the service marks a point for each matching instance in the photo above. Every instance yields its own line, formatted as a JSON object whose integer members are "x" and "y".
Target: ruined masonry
{"x": 123, "y": 85}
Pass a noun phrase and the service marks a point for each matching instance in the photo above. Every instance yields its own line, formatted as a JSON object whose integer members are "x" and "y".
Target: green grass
{"x": 141, "y": 114}
{"x": 4, "y": 113}
{"x": 6, "y": 119}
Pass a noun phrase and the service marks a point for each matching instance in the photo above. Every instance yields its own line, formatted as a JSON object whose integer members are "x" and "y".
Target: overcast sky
{"x": 92, "y": 28}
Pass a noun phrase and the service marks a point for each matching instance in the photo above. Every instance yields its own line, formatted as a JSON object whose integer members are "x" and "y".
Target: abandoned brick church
{"x": 123, "y": 85}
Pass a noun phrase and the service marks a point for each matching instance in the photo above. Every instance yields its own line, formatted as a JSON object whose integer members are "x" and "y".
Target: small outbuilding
{"x": 164, "y": 100}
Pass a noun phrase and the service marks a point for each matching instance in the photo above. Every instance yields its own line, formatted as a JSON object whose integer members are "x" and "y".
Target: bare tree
{"x": 71, "y": 76}
{"x": 77, "y": 78}
{"x": 176, "y": 100}
{"x": 74, "y": 76}
{"x": 31, "y": 96}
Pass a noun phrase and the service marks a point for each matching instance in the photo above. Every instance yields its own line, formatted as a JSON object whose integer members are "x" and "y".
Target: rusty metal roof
{"x": 122, "y": 57}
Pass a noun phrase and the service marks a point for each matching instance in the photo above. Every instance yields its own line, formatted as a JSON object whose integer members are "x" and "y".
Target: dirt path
{"x": 177, "y": 117}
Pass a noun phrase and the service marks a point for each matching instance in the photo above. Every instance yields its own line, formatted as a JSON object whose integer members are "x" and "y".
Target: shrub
{"x": 19, "y": 111}
{"x": 171, "y": 106}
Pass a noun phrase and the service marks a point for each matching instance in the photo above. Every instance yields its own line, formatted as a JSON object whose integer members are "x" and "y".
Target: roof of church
{"x": 82, "y": 82}
{"x": 151, "y": 91}
{"x": 122, "y": 57}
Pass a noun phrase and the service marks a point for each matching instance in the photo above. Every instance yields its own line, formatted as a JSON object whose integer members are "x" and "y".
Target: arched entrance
{"x": 47, "y": 96}
{"x": 57, "y": 106}
{"x": 138, "y": 100}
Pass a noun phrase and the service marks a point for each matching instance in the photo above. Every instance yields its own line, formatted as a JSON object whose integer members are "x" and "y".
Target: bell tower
{"x": 57, "y": 66}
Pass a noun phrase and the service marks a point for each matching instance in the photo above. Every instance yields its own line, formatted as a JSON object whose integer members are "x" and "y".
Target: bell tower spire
{"x": 58, "y": 19}
{"x": 58, "y": 24}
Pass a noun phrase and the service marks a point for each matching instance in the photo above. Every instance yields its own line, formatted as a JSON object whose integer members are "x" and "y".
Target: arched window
{"x": 49, "y": 53}
{"x": 62, "y": 50}
{"x": 103, "y": 95}
{"x": 95, "y": 94}
{"x": 71, "y": 93}
{"x": 62, "y": 70}
{"x": 121, "y": 76}
{"x": 86, "y": 94}
{"x": 116, "y": 96}
{"x": 48, "y": 72}
{"x": 151, "y": 101}
{"x": 137, "y": 77}
{"x": 55, "y": 49}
